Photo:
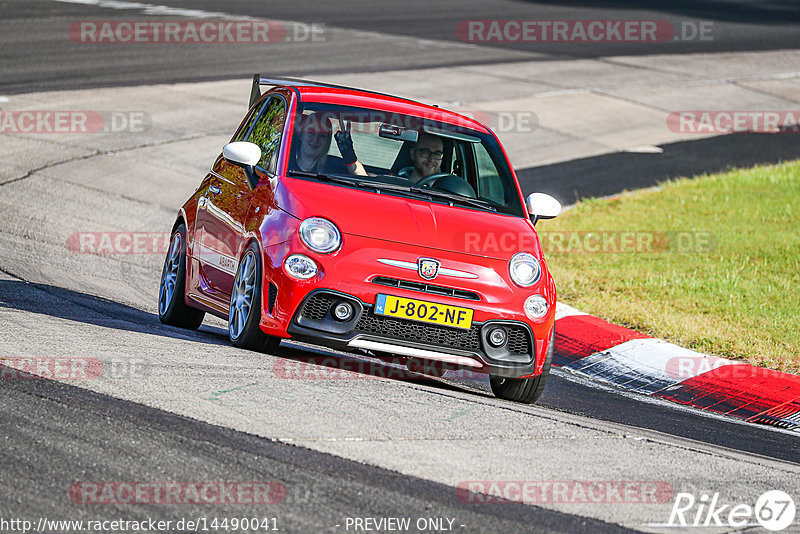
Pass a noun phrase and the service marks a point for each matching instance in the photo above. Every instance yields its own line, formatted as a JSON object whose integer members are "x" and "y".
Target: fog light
{"x": 343, "y": 311}
{"x": 300, "y": 267}
{"x": 535, "y": 307}
{"x": 497, "y": 337}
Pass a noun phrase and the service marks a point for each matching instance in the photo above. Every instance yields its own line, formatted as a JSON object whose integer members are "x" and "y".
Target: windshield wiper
{"x": 325, "y": 177}
{"x": 475, "y": 202}
{"x": 410, "y": 191}
{"x": 404, "y": 190}
{"x": 369, "y": 185}
{"x": 435, "y": 193}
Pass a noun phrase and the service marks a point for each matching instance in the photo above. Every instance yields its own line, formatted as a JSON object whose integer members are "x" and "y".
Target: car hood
{"x": 409, "y": 221}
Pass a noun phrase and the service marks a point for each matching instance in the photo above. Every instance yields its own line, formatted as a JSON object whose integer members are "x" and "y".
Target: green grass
{"x": 737, "y": 297}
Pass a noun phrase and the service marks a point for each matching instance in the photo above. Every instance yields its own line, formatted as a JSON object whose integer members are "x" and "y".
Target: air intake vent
{"x": 420, "y": 332}
{"x": 272, "y": 297}
{"x": 426, "y": 288}
{"x": 316, "y": 308}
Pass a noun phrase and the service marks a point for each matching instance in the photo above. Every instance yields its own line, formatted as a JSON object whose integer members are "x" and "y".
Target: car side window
{"x": 266, "y": 132}
{"x": 490, "y": 186}
{"x": 244, "y": 130}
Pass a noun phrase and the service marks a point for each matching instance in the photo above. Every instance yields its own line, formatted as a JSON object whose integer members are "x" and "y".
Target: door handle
{"x": 214, "y": 190}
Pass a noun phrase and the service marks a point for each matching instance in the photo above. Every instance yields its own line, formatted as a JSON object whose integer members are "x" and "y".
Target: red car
{"x": 358, "y": 220}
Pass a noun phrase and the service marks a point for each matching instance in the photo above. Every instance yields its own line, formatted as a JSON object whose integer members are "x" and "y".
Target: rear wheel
{"x": 244, "y": 314}
{"x": 172, "y": 308}
{"x": 525, "y": 390}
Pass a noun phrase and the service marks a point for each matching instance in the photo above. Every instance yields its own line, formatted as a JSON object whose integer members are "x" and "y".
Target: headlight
{"x": 535, "y": 307}
{"x": 320, "y": 235}
{"x": 300, "y": 267}
{"x": 524, "y": 269}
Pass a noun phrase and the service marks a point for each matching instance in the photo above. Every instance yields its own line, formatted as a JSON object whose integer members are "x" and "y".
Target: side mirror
{"x": 245, "y": 155}
{"x": 542, "y": 206}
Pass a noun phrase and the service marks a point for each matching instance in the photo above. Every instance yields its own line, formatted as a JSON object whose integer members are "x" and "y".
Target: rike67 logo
{"x": 774, "y": 510}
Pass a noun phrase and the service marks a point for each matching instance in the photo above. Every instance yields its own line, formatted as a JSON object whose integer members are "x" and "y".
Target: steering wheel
{"x": 405, "y": 172}
{"x": 427, "y": 181}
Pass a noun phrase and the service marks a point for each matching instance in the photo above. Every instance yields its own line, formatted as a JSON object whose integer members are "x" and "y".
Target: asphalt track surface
{"x": 151, "y": 445}
{"x": 55, "y": 434}
{"x": 36, "y": 56}
{"x": 563, "y": 393}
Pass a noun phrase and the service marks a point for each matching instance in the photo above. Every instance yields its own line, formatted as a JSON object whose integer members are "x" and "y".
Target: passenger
{"x": 315, "y": 140}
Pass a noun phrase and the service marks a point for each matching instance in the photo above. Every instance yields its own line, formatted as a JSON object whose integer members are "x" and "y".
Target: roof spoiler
{"x": 258, "y": 81}
{"x": 255, "y": 92}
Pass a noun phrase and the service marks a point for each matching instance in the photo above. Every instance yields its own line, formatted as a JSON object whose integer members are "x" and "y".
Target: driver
{"x": 426, "y": 156}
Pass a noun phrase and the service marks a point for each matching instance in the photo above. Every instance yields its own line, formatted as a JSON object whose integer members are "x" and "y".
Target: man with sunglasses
{"x": 426, "y": 156}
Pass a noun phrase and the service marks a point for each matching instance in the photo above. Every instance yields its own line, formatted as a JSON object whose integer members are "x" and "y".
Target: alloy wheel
{"x": 242, "y": 296}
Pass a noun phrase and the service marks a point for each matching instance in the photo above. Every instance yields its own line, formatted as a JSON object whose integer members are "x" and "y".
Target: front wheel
{"x": 525, "y": 390}
{"x": 244, "y": 314}
{"x": 172, "y": 308}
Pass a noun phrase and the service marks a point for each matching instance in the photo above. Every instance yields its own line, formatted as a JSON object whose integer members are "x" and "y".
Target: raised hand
{"x": 345, "y": 143}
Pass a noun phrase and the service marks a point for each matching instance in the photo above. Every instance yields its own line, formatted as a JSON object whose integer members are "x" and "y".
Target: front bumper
{"x": 313, "y": 322}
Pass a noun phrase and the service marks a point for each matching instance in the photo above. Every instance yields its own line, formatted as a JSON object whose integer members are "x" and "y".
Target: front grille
{"x": 426, "y": 288}
{"x": 317, "y": 306}
{"x": 419, "y": 332}
{"x": 518, "y": 341}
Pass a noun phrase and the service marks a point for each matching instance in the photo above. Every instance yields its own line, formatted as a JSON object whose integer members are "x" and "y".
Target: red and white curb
{"x": 592, "y": 347}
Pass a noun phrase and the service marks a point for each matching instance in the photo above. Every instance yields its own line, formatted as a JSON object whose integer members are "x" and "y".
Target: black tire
{"x": 172, "y": 308}
{"x": 525, "y": 390}
{"x": 244, "y": 330}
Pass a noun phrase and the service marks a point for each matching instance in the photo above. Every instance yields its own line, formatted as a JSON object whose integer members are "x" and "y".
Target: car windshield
{"x": 421, "y": 156}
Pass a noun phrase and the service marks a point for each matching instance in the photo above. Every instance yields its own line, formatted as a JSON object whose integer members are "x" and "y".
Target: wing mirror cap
{"x": 245, "y": 155}
{"x": 242, "y": 153}
{"x": 542, "y": 206}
